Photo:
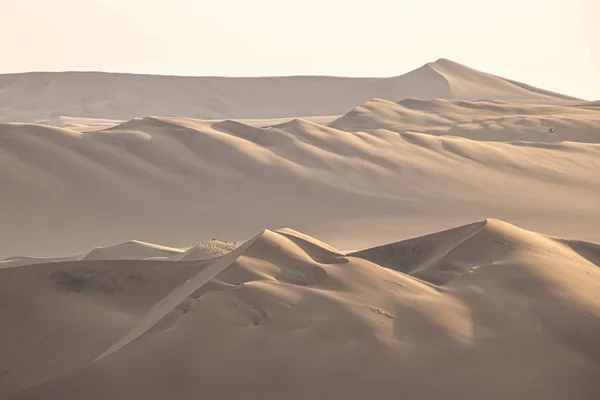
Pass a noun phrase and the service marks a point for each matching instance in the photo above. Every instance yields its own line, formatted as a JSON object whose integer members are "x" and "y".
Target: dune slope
{"x": 490, "y": 310}
{"x": 60, "y": 316}
{"x": 470, "y": 84}
{"x": 178, "y": 181}
{"x": 115, "y": 96}
{"x": 132, "y": 250}
{"x": 477, "y": 120}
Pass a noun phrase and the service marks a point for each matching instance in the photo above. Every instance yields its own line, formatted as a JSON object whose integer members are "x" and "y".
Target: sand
{"x": 486, "y": 310}
{"x": 478, "y": 120}
{"x": 157, "y": 257}
{"x": 175, "y": 180}
{"x": 80, "y": 124}
{"x": 133, "y": 250}
{"x": 65, "y": 95}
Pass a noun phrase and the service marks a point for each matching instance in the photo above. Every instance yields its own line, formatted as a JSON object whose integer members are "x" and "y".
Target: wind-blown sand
{"x": 123, "y": 96}
{"x": 486, "y": 310}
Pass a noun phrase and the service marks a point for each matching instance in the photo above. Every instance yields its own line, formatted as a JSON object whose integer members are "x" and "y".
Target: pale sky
{"x": 553, "y": 44}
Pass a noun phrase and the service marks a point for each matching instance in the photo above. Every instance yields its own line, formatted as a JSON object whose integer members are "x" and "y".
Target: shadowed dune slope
{"x": 174, "y": 180}
{"x": 490, "y": 310}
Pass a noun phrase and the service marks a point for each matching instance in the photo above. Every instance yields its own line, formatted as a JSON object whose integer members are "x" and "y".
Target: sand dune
{"x": 123, "y": 96}
{"x": 132, "y": 250}
{"x": 174, "y": 181}
{"x": 70, "y": 312}
{"x": 479, "y": 120}
{"x": 466, "y": 83}
{"x": 80, "y": 124}
{"x": 17, "y": 261}
{"x": 95, "y": 124}
{"x": 204, "y": 251}
{"x": 488, "y": 309}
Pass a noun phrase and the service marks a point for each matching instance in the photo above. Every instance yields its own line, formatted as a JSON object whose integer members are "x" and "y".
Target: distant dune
{"x": 477, "y": 120}
{"x": 466, "y": 83}
{"x": 204, "y": 251}
{"x": 179, "y": 181}
{"x": 482, "y": 311}
{"x": 46, "y": 97}
{"x": 133, "y": 250}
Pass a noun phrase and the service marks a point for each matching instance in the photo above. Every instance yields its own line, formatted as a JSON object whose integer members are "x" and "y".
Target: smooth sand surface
{"x": 178, "y": 181}
{"x": 48, "y": 97}
{"x": 483, "y": 311}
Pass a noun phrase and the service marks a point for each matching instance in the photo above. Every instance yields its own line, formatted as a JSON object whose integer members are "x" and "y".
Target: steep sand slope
{"x": 178, "y": 181}
{"x": 478, "y": 120}
{"x": 45, "y": 97}
{"x": 470, "y": 84}
{"x": 484, "y": 311}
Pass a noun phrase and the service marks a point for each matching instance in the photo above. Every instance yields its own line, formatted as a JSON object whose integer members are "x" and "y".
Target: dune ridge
{"x": 117, "y": 96}
{"x": 477, "y": 120}
{"x": 510, "y": 310}
{"x": 466, "y": 83}
{"x": 174, "y": 179}
{"x": 132, "y": 250}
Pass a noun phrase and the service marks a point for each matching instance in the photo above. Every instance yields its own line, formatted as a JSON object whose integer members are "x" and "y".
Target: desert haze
{"x": 158, "y": 237}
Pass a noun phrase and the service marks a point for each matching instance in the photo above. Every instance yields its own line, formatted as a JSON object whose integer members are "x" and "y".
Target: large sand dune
{"x": 48, "y": 97}
{"x": 179, "y": 181}
{"x": 483, "y": 311}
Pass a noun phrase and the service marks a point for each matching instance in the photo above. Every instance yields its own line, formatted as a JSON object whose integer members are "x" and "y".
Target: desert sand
{"x": 486, "y": 310}
{"x": 145, "y": 255}
{"x": 175, "y": 180}
{"x": 124, "y": 96}
{"x": 133, "y": 250}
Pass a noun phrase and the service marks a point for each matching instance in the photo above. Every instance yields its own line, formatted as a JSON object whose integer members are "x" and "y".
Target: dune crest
{"x": 466, "y": 83}
{"x": 205, "y": 250}
{"x": 477, "y": 120}
{"x": 387, "y": 317}
{"x": 75, "y": 96}
{"x": 173, "y": 179}
{"x": 132, "y": 250}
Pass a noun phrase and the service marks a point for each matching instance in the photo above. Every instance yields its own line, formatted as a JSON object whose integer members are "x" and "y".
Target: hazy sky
{"x": 554, "y": 44}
